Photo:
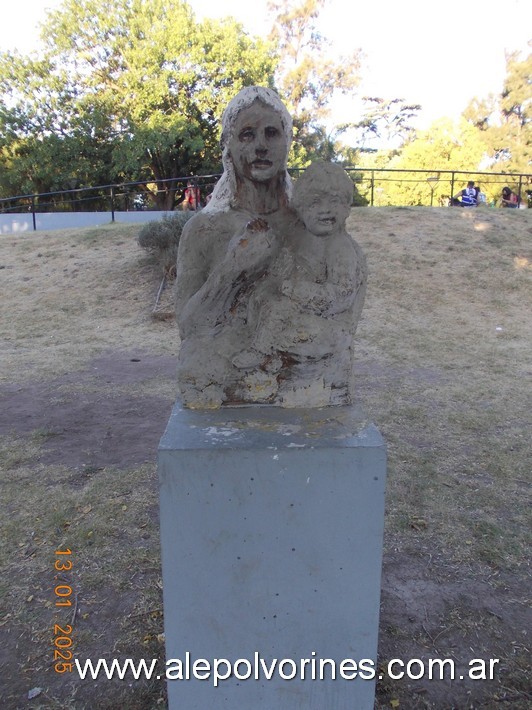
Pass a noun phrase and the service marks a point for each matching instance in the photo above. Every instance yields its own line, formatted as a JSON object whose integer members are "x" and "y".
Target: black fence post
{"x": 372, "y": 186}
{"x": 33, "y": 213}
{"x": 112, "y": 203}
{"x": 452, "y": 187}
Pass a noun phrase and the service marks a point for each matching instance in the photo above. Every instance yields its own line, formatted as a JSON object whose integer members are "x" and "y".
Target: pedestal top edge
{"x": 259, "y": 427}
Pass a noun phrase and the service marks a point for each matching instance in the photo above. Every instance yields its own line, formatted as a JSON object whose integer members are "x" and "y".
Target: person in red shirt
{"x": 192, "y": 199}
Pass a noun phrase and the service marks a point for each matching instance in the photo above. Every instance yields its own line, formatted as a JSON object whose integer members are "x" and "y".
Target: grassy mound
{"x": 87, "y": 380}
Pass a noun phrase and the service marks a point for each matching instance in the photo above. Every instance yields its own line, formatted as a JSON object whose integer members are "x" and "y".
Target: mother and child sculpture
{"x": 270, "y": 285}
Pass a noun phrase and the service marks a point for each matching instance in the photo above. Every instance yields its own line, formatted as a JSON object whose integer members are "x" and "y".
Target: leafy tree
{"x": 324, "y": 144}
{"x": 387, "y": 119}
{"x": 505, "y": 119}
{"x": 516, "y": 101}
{"x": 480, "y": 111}
{"x": 307, "y": 76}
{"x": 446, "y": 145}
{"x": 129, "y": 89}
{"x": 510, "y": 138}
{"x": 494, "y": 132}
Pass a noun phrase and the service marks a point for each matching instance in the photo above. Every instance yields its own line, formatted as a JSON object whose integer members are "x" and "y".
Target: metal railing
{"x": 125, "y": 197}
{"x": 438, "y": 185}
{"x": 375, "y": 187}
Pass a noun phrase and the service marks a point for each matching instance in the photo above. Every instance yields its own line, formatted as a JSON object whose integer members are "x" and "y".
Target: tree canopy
{"x": 389, "y": 120}
{"x": 505, "y": 120}
{"x": 493, "y": 134}
{"x": 128, "y": 89}
{"x": 134, "y": 90}
{"x": 308, "y": 75}
{"x": 446, "y": 145}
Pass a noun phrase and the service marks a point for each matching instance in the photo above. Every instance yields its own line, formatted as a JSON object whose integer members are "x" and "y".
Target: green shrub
{"x": 161, "y": 238}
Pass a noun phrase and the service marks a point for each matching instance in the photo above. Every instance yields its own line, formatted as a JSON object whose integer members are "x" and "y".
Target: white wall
{"x": 18, "y": 223}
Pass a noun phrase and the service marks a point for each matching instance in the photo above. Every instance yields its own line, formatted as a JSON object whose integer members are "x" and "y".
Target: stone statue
{"x": 269, "y": 284}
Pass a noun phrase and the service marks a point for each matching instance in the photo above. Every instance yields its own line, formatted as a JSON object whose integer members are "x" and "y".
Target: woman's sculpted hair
{"x": 223, "y": 196}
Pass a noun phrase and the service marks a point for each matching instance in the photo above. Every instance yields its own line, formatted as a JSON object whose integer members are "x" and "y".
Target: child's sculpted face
{"x": 323, "y": 214}
{"x": 258, "y": 144}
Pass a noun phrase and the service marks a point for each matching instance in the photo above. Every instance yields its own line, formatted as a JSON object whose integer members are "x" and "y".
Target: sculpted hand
{"x": 257, "y": 225}
{"x": 252, "y": 250}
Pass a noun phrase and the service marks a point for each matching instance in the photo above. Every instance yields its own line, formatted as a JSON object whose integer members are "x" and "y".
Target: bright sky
{"x": 437, "y": 54}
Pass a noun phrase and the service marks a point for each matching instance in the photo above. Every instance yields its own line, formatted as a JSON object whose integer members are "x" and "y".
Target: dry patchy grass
{"x": 443, "y": 369}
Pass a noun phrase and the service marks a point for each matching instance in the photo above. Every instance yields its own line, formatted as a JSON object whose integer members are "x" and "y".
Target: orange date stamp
{"x": 63, "y": 598}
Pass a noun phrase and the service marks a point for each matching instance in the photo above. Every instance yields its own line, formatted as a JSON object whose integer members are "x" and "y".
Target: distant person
{"x": 509, "y": 198}
{"x": 466, "y": 197}
{"x": 480, "y": 196}
{"x": 192, "y": 199}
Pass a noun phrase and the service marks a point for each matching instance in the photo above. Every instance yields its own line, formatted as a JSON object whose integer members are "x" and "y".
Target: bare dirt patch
{"x": 443, "y": 369}
{"x": 86, "y": 419}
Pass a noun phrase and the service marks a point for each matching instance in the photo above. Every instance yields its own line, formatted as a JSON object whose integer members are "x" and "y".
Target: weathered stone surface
{"x": 269, "y": 284}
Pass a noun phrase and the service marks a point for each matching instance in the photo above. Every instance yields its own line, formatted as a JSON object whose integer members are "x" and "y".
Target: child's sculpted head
{"x": 322, "y": 198}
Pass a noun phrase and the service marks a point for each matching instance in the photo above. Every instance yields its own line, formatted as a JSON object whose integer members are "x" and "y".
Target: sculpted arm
{"x": 346, "y": 274}
{"x": 204, "y": 295}
{"x": 191, "y": 275}
{"x": 189, "y": 271}
{"x": 350, "y": 275}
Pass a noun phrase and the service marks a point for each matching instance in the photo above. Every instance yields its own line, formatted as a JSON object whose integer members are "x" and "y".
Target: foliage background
{"x": 134, "y": 90}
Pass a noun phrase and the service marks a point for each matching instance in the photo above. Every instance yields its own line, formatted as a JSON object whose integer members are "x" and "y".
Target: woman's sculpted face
{"x": 258, "y": 144}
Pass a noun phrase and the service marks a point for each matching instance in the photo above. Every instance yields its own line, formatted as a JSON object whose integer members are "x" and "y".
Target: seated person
{"x": 481, "y": 197}
{"x": 192, "y": 199}
{"x": 509, "y": 198}
{"x": 466, "y": 197}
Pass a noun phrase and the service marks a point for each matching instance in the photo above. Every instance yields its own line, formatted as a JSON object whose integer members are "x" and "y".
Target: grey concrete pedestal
{"x": 271, "y": 533}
